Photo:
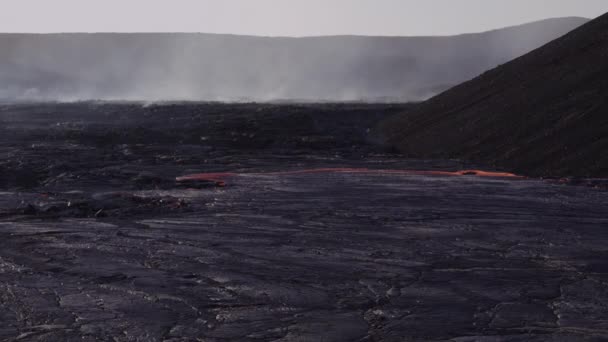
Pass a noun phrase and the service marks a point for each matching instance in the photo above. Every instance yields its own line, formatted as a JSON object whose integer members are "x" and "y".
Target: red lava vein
{"x": 221, "y": 178}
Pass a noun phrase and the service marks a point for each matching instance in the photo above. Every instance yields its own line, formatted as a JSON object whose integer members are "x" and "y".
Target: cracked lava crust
{"x": 316, "y": 235}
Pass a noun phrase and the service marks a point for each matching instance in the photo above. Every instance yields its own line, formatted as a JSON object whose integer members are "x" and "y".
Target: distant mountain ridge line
{"x": 288, "y": 37}
{"x": 218, "y": 67}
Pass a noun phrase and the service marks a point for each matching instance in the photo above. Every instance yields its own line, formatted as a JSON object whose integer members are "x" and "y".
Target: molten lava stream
{"x": 221, "y": 178}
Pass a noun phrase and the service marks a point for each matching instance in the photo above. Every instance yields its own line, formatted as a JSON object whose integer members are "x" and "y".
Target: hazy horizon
{"x": 296, "y": 18}
{"x": 288, "y": 37}
{"x": 218, "y": 68}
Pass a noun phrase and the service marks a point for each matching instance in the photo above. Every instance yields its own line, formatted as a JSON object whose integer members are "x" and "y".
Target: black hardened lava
{"x": 543, "y": 114}
{"x": 300, "y": 231}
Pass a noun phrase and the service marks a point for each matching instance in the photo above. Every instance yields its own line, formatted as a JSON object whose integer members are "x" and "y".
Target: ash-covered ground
{"x": 99, "y": 242}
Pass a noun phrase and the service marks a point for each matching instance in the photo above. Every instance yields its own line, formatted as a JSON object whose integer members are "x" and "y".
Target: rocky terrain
{"x": 248, "y": 222}
{"x": 180, "y": 66}
{"x": 543, "y": 114}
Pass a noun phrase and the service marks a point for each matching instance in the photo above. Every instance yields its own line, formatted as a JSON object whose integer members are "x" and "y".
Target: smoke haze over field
{"x": 181, "y": 66}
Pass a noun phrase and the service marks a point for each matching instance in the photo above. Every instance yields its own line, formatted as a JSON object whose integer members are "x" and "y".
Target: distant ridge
{"x": 544, "y": 114}
{"x": 185, "y": 66}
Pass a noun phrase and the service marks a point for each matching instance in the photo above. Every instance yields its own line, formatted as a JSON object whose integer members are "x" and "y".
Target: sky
{"x": 286, "y": 17}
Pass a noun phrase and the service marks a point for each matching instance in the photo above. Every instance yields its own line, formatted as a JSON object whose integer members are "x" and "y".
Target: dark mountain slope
{"x": 545, "y": 113}
{"x": 181, "y": 66}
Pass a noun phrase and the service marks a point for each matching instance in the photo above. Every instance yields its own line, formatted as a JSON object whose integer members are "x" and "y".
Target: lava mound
{"x": 543, "y": 114}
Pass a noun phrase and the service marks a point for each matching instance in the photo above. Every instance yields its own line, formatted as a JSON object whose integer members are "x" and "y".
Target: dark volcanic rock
{"x": 110, "y": 247}
{"x": 545, "y": 113}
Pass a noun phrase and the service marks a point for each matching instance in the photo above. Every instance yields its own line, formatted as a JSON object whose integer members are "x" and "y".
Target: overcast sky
{"x": 285, "y": 17}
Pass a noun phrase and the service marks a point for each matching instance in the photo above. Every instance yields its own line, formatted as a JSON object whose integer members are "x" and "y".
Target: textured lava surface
{"x": 98, "y": 241}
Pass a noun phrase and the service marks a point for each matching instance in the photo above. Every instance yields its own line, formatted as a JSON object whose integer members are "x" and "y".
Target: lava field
{"x": 260, "y": 222}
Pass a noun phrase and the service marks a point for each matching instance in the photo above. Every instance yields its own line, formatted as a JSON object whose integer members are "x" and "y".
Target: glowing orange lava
{"x": 220, "y": 178}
